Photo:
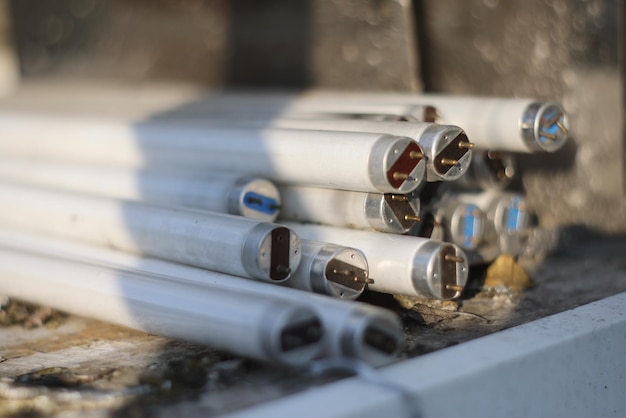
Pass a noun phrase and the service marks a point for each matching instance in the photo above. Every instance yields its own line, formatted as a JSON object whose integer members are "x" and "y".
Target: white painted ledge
{"x": 572, "y": 364}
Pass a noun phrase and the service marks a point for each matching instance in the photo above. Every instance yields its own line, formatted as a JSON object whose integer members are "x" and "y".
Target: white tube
{"x": 259, "y": 327}
{"x": 366, "y": 111}
{"x": 351, "y": 329}
{"x": 330, "y": 269}
{"x": 499, "y": 124}
{"x": 342, "y": 160}
{"x": 233, "y": 193}
{"x": 370, "y": 111}
{"x": 493, "y": 123}
{"x": 446, "y": 147}
{"x": 381, "y": 212}
{"x": 400, "y": 264}
{"x": 226, "y": 243}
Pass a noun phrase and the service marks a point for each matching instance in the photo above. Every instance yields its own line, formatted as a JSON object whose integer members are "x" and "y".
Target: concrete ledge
{"x": 570, "y": 364}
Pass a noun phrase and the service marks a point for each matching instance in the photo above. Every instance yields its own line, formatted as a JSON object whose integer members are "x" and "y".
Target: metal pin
{"x": 547, "y": 135}
{"x": 412, "y": 218}
{"x": 400, "y": 176}
{"x": 283, "y": 269}
{"x": 356, "y": 278}
{"x": 447, "y": 161}
{"x": 468, "y": 145}
{"x": 562, "y": 127}
{"x": 454, "y": 258}
{"x": 363, "y": 280}
{"x": 455, "y": 287}
{"x": 415, "y": 155}
{"x": 399, "y": 198}
{"x": 554, "y": 119}
{"x": 348, "y": 273}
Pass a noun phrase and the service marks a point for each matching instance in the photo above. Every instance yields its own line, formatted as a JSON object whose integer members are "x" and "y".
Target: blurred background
{"x": 568, "y": 51}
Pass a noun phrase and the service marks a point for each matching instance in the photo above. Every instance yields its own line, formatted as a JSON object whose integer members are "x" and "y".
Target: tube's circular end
{"x": 293, "y": 336}
{"x": 271, "y": 252}
{"x": 544, "y": 126}
{"x": 510, "y": 214}
{"x": 397, "y": 165}
{"x": 451, "y": 152}
{"x": 255, "y": 198}
{"x": 392, "y": 213}
{"x": 346, "y": 272}
{"x": 467, "y": 225}
{"x": 373, "y": 335}
{"x": 444, "y": 273}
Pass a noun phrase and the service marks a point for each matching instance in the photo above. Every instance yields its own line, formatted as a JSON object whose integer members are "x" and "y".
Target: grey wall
{"x": 549, "y": 49}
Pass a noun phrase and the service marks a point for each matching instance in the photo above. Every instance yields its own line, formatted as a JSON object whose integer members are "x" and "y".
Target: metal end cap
{"x": 392, "y": 213}
{"x": 346, "y": 272}
{"x": 396, "y": 165}
{"x": 337, "y": 271}
{"x": 292, "y": 334}
{"x": 451, "y": 152}
{"x": 544, "y": 126}
{"x": 440, "y": 270}
{"x": 467, "y": 226}
{"x": 370, "y": 334}
{"x": 271, "y": 252}
{"x": 255, "y": 198}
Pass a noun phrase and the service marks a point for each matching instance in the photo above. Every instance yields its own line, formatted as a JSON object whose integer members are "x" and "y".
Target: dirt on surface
{"x": 52, "y": 363}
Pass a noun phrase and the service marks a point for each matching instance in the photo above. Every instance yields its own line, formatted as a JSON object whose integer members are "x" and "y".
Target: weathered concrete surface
{"x": 89, "y": 368}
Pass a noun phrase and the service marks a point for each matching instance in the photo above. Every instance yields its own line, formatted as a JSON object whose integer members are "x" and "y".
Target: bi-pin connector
{"x": 330, "y": 269}
{"x": 450, "y": 151}
{"x": 489, "y": 170}
{"x": 445, "y": 272}
{"x": 400, "y": 264}
{"x": 453, "y": 270}
{"x": 544, "y": 126}
{"x": 398, "y": 213}
{"x": 405, "y": 165}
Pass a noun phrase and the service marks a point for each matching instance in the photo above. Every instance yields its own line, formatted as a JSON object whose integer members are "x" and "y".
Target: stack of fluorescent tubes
{"x": 186, "y": 204}
{"x": 469, "y": 207}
